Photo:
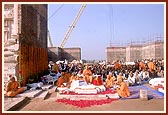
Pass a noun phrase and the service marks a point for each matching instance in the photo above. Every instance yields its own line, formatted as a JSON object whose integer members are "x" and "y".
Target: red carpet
{"x": 85, "y": 103}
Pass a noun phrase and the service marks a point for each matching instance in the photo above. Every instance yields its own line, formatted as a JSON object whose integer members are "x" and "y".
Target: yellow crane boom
{"x": 72, "y": 25}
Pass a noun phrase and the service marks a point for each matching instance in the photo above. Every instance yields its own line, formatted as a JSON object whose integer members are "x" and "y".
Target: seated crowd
{"x": 119, "y": 75}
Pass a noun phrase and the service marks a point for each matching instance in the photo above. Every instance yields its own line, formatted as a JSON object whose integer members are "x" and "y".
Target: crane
{"x": 72, "y": 25}
{"x": 49, "y": 37}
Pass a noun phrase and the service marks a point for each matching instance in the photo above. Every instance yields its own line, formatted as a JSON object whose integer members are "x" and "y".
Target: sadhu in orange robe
{"x": 151, "y": 66}
{"x": 65, "y": 77}
{"x": 110, "y": 81}
{"x": 87, "y": 74}
{"x": 12, "y": 88}
{"x": 123, "y": 90}
{"x": 97, "y": 80}
{"x": 142, "y": 66}
{"x": 117, "y": 66}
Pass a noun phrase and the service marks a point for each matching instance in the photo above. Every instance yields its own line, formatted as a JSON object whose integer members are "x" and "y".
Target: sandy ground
{"x": 130, "y": 105}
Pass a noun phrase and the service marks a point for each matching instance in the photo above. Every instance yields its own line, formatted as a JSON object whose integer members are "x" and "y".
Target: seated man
{"x": 55, "y": 68}
{"x": 122, "y": 89}
{"x": 12, "y": 88}
{"x": 110, "y": 80}
{"x": 120, "y": 76}
{"x": 77, "y": 82}
{"x": 97, "y": 80}
{"x": 137, "y": 78}
{"x": 73, "y": 77}
{"x": 131, "y": 79}
{"x": 65, "y": 77}
{"x": 87, "y": 74}
{"x": 145, "y": 76}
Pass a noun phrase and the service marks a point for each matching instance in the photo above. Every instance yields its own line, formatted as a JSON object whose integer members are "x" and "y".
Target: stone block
{"x": 30, "y": 93}
{"x": 43, "y": 95}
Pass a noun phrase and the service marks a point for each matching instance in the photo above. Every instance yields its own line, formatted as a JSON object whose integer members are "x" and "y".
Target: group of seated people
{"x": 138, "y": 78}
{"x": 86, "y": 75}
{"x": 112, "y": 80}
{"x": 13, "y": 88}
{"x": 122, "y": 87}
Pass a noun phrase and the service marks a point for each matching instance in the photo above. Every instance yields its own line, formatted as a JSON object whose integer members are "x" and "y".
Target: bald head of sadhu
{"x": 120, "y": 80}
{"x": 11, "y": 78}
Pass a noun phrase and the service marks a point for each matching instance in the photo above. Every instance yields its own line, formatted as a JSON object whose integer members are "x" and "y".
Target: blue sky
{"x": 102, "y": 24}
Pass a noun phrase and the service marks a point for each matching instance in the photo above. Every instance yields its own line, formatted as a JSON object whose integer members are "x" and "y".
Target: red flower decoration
{"x": 87, "y": 103}
{"x": 20, "y": 72}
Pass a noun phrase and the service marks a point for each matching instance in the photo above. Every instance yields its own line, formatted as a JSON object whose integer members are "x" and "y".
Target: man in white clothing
{"x": 131, "y": 79}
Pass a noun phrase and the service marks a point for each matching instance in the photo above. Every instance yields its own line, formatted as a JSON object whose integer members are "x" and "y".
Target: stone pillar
{"x": 15, "y": 31}
{"x": 11, "y": 48}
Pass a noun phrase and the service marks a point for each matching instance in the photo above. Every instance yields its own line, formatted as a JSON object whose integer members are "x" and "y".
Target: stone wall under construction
{"x": 115, "y": 53}
{"x": 57, "y": 53}
{"x": 54, "y": 54}
{"x": 154, "y": 50}
{"x": 71, "y": 54}
{"x": 133, "y": 53}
